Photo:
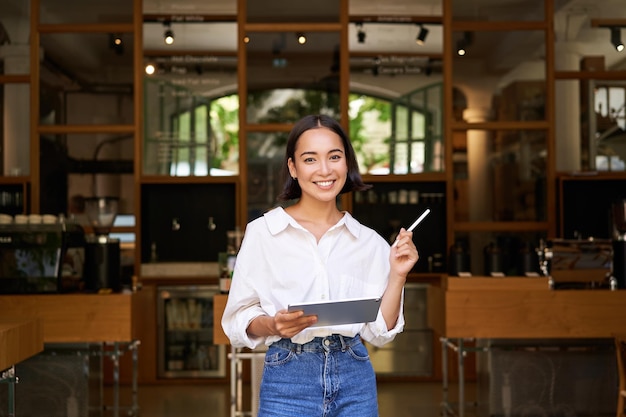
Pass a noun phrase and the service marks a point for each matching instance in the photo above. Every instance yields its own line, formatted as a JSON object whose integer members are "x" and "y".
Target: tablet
{"x": 354, "y": 310}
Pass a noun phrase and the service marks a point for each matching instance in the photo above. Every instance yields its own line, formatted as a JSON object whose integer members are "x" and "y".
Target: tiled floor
{"x": 396, "y": 399}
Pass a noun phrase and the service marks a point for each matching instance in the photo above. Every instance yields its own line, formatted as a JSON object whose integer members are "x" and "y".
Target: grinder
{"x": 619, "y": 243}
{"x": 102, "y": 270}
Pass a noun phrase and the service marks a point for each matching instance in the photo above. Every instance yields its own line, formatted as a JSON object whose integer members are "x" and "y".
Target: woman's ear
{"x": 292, "y": 168}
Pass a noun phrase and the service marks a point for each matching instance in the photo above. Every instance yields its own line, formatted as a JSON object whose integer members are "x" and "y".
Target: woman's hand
{"x": 288, "y": 324}
{"x": 284, "y": 324}
{"x": 402, "y": 257}
{"x": 403, "y": 254}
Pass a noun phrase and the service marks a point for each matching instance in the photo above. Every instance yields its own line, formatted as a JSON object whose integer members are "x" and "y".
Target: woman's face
{"x": 319, "y": 164}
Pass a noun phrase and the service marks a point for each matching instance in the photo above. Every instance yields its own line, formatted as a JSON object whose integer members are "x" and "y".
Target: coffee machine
{"x": 619, "y": 243}
{"x": 102, "y": 270}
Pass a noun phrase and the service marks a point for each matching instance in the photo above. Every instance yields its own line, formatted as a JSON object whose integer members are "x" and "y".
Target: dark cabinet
{"x": 12, "y": 199}
{"x": 185, "y": 222}
{"x": 585, "y": 205}
{"x": 389, "y": 206}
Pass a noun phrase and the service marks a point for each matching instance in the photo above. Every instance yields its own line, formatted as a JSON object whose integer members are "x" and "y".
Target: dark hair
{"x": 291, "y": 188}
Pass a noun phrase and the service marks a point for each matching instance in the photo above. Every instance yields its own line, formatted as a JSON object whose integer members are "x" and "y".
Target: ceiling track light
{"x": 150, "y": 69}
{"x": 422, "y": 34}
{"x": 116, "y": 43}
{"x": 360, "y": 34}
{"x": 168, "y": 35}
{"x": 616, "y": 38}
{"x": 463, "y": 43}
{"x": 301, "y": 38}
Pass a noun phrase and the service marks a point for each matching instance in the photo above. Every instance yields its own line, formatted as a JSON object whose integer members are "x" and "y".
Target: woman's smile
{"x": 325, "y": 184}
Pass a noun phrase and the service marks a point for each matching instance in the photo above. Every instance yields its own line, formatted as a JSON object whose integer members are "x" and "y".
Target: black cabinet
{"x": 12, "y": 199}
{"x": 585, "y": 205}
{"x": 389, "y": 206}
{"x": 185, "y": 222}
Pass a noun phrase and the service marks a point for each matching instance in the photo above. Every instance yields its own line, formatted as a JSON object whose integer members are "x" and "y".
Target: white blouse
{"x": 281, "y": 263}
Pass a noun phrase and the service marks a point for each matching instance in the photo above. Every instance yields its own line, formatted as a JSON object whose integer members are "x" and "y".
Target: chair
{"x": 620, "y": 352}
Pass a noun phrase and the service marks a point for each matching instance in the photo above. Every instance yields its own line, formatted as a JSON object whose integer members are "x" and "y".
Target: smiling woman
{"x": 326, "y": 255}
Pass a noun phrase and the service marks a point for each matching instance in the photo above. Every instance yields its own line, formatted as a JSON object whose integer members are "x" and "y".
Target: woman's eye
{"x": 335, "y": 157}
{"x": 308, "y": 160}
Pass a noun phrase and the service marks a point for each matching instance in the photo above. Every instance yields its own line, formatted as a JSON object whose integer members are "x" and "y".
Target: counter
{"x": 70, "y": 318}
{"x": 510, "y": 319}
{"x": 101, "y": 323}
{"x": 523, "y": 307}
{"x": 219, "y": 304}
{"x": 19, "y": 340}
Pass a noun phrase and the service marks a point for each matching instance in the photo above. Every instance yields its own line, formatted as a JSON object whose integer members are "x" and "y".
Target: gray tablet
{"x": 354, "y": 310}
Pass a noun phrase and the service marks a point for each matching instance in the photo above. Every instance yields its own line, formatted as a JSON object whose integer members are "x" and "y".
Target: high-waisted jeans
{"x": 326, "y": 377}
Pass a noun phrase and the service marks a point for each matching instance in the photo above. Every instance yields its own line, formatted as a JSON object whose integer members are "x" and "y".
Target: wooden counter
{"x": 219, "y": 303}
{"x": 70, "y": 318}
{"x": 520, "y": 307}
{"x": 19, "y": 340}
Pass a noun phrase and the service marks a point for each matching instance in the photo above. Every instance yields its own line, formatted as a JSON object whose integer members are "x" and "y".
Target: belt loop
{"x": 298, "y": 348}
{"x": 343, "y": 343}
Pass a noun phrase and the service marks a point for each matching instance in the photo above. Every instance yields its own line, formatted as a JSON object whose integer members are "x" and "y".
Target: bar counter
{"x": 92, "y": 320}
{"x": 69, "y": 318}
{"x": 19, "y": 340}
{"x": 523, "y": 307}
{"x": 517, "y": 309}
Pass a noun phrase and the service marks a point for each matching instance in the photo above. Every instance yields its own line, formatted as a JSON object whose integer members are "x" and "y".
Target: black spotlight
{"x": 463, "y": 43}
{"x": 421, "y": 36}
{"x": 360, "y": 34}
{"x": 168, "y": 35}
{"x": 616, "y": 39}
{"x": 116, "y": 43}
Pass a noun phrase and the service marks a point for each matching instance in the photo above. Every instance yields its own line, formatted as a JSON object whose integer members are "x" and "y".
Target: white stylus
{"x": 415, "y": 223}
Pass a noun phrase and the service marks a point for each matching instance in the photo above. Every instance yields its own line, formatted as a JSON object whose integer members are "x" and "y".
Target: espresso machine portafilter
{"x": 619, "y": 243}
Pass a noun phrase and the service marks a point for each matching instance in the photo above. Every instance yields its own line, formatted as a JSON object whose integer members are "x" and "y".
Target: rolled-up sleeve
{"x": 236, "y": 322}
{"x": 377, "y": 333}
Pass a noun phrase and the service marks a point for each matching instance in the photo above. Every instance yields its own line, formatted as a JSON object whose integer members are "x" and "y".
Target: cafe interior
{"x": 138, "y": 138}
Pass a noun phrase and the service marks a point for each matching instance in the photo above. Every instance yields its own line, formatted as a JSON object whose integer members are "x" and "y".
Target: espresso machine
{"x": 619, "y": 243}
{"x": 102, "y": 270}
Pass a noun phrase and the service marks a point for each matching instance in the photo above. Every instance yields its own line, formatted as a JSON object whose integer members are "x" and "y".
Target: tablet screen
{"x": 347, "y": 311}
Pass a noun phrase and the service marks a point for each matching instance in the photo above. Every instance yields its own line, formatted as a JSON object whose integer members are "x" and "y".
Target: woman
{"x": 311, "y": 251}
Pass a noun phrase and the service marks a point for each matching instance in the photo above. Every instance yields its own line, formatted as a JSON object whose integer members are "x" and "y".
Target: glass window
{"x": 514, "y": 87}
{"x": 15, "y": 129}
{"x": 90, "y": 75}
{"x": 595, "y": 43}
{"x": 277, "y": 65}
{"x": 275, "y": 11}
{"x": 265, "y": 157}
{"x": 189, "y": 135}
{"x": 85, "y": 165}
{"x": 497, "y": 10}
{"x": 395, "y": 8}
{"x": 93, "y": 11}
{"x": 288, "y": 105}
{"x": 504, "y": 174}
{"x": 603, "y": 130}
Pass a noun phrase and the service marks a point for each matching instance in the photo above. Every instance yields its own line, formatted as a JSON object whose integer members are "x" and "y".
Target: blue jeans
{"x": 326, "y": 377}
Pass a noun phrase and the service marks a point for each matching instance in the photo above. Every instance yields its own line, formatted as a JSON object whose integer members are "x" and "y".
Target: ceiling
{"x": 99, "y": 64}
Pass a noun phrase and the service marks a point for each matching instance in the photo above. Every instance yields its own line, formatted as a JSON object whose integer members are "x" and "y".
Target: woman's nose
{"x": 325, "y": 167}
